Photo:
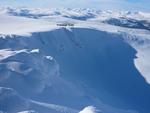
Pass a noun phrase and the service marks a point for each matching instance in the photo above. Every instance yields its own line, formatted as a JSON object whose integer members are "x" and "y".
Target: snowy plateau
{"x": 74, "y": 61}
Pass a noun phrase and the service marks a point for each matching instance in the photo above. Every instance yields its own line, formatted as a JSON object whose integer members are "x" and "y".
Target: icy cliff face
{"x": 101, "y": 61}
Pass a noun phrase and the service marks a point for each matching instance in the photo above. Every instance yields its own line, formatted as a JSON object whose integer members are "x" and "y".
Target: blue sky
{"x": 136, "y": 5}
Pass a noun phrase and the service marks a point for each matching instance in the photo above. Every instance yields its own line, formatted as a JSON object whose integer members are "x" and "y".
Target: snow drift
{"x": 89, "y": 109}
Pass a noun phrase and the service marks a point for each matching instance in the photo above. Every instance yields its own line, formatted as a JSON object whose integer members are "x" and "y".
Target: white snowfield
{"x": 74, "y": 58}
{"x": 11, "y": 25}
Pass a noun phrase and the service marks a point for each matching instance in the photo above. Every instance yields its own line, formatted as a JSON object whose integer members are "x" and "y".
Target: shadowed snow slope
{"x": 11, "y": 101}
{"x": 88, "y": 67}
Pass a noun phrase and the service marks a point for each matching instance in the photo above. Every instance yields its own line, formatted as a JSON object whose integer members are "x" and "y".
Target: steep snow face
{"x": 91, "y": 64}
{"x": 98, "y": 61}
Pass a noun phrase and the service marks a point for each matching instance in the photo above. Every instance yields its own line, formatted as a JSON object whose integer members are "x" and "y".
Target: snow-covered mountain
{"x": 74, "y": 61}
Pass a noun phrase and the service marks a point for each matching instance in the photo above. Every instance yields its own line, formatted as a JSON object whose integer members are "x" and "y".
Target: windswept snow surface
{"x": 98, "y": 65}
